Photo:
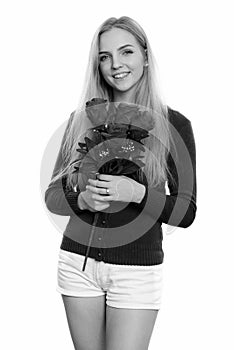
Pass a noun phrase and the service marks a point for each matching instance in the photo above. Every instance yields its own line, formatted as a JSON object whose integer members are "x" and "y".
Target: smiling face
{"x": 121, "y": 62}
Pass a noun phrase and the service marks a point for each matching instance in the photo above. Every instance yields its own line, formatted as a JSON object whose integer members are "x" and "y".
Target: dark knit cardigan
{"x": 133, "y": 235}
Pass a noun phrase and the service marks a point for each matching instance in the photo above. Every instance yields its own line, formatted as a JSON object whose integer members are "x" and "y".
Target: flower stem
{"x": 91, "y": 235}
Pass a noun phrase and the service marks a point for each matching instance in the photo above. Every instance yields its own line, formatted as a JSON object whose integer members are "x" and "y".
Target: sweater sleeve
{"x": 179, "y": 207}
{"x": 59, "y": 200}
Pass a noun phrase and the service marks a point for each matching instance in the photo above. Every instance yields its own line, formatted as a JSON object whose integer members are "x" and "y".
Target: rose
{"x": 95, "y": 101}
{"x": 125, "y": 113}
{"x": 96, "y": 110}
{"x": 143, "y": 120}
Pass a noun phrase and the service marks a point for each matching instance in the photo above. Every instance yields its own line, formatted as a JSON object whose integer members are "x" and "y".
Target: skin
{"x": 114, "y": 60}
{"x": 92, "y": 323}
{"x": 121, "y": 188}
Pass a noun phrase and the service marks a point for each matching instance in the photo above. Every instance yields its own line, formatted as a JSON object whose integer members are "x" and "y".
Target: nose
{"x": 116, "y": 62}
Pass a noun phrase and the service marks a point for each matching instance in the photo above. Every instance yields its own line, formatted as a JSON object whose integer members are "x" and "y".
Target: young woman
{"x": 113, "y": 303}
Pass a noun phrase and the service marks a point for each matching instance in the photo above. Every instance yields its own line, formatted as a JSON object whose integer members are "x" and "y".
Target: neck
{"x": 127, "y": 97}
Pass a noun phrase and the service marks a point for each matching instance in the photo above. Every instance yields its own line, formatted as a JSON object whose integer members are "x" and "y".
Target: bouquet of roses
{"x": 113, "y": 145}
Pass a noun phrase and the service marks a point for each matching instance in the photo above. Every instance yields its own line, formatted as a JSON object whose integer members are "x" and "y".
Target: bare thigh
{"x": 86, "y": 321}
{"x": 129, "y": 329}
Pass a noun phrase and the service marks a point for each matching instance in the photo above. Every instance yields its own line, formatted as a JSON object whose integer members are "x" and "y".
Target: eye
{"x": 128, "y": 51}
{"x": 102, "y": 58}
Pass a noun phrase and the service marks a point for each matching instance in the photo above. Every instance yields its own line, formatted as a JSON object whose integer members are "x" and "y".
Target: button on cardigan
{"x": 137, "y": 227}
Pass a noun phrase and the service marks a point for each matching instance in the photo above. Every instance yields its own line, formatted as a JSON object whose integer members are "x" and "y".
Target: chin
{"x": 123, "y": 87}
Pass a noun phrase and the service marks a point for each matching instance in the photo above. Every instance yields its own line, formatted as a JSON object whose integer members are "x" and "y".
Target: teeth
{"x": 118, "y": 76}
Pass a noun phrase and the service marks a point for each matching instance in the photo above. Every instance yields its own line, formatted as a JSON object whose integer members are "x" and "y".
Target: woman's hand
{"x": 121, "y": 188}
{"x": 87, "y": 200}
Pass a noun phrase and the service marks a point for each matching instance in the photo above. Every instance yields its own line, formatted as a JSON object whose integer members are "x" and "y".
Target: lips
{"x": 120, "y": 75}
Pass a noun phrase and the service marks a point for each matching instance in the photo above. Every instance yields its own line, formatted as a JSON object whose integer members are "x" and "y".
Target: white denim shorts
{"x": 125, "y": 286}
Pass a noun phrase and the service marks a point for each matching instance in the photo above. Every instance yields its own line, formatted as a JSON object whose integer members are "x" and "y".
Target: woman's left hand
{"x": 121, "y": 188}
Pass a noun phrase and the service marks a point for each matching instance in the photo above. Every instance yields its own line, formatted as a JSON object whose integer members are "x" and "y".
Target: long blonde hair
{"x": 148, "y": 94}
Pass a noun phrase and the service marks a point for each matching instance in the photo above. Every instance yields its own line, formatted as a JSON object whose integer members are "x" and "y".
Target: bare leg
{"x": 129, "y": 329}
{"x": 86, "y": 320}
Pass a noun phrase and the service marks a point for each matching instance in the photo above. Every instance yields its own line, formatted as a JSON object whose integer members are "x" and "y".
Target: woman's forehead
{"x": 115, "y": 38}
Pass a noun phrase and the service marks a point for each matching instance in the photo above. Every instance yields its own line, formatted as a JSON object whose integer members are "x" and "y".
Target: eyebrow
{"x": 121, "y": 47}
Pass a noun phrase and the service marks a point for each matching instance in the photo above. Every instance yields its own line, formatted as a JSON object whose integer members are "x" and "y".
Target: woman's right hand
{"x": 86, "y": 201}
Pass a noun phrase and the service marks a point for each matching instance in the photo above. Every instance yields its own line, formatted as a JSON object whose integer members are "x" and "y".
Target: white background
{"x": 44, "y": 50}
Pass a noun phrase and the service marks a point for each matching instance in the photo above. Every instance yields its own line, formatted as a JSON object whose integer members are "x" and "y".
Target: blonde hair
{"x": 148, "y": 95}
